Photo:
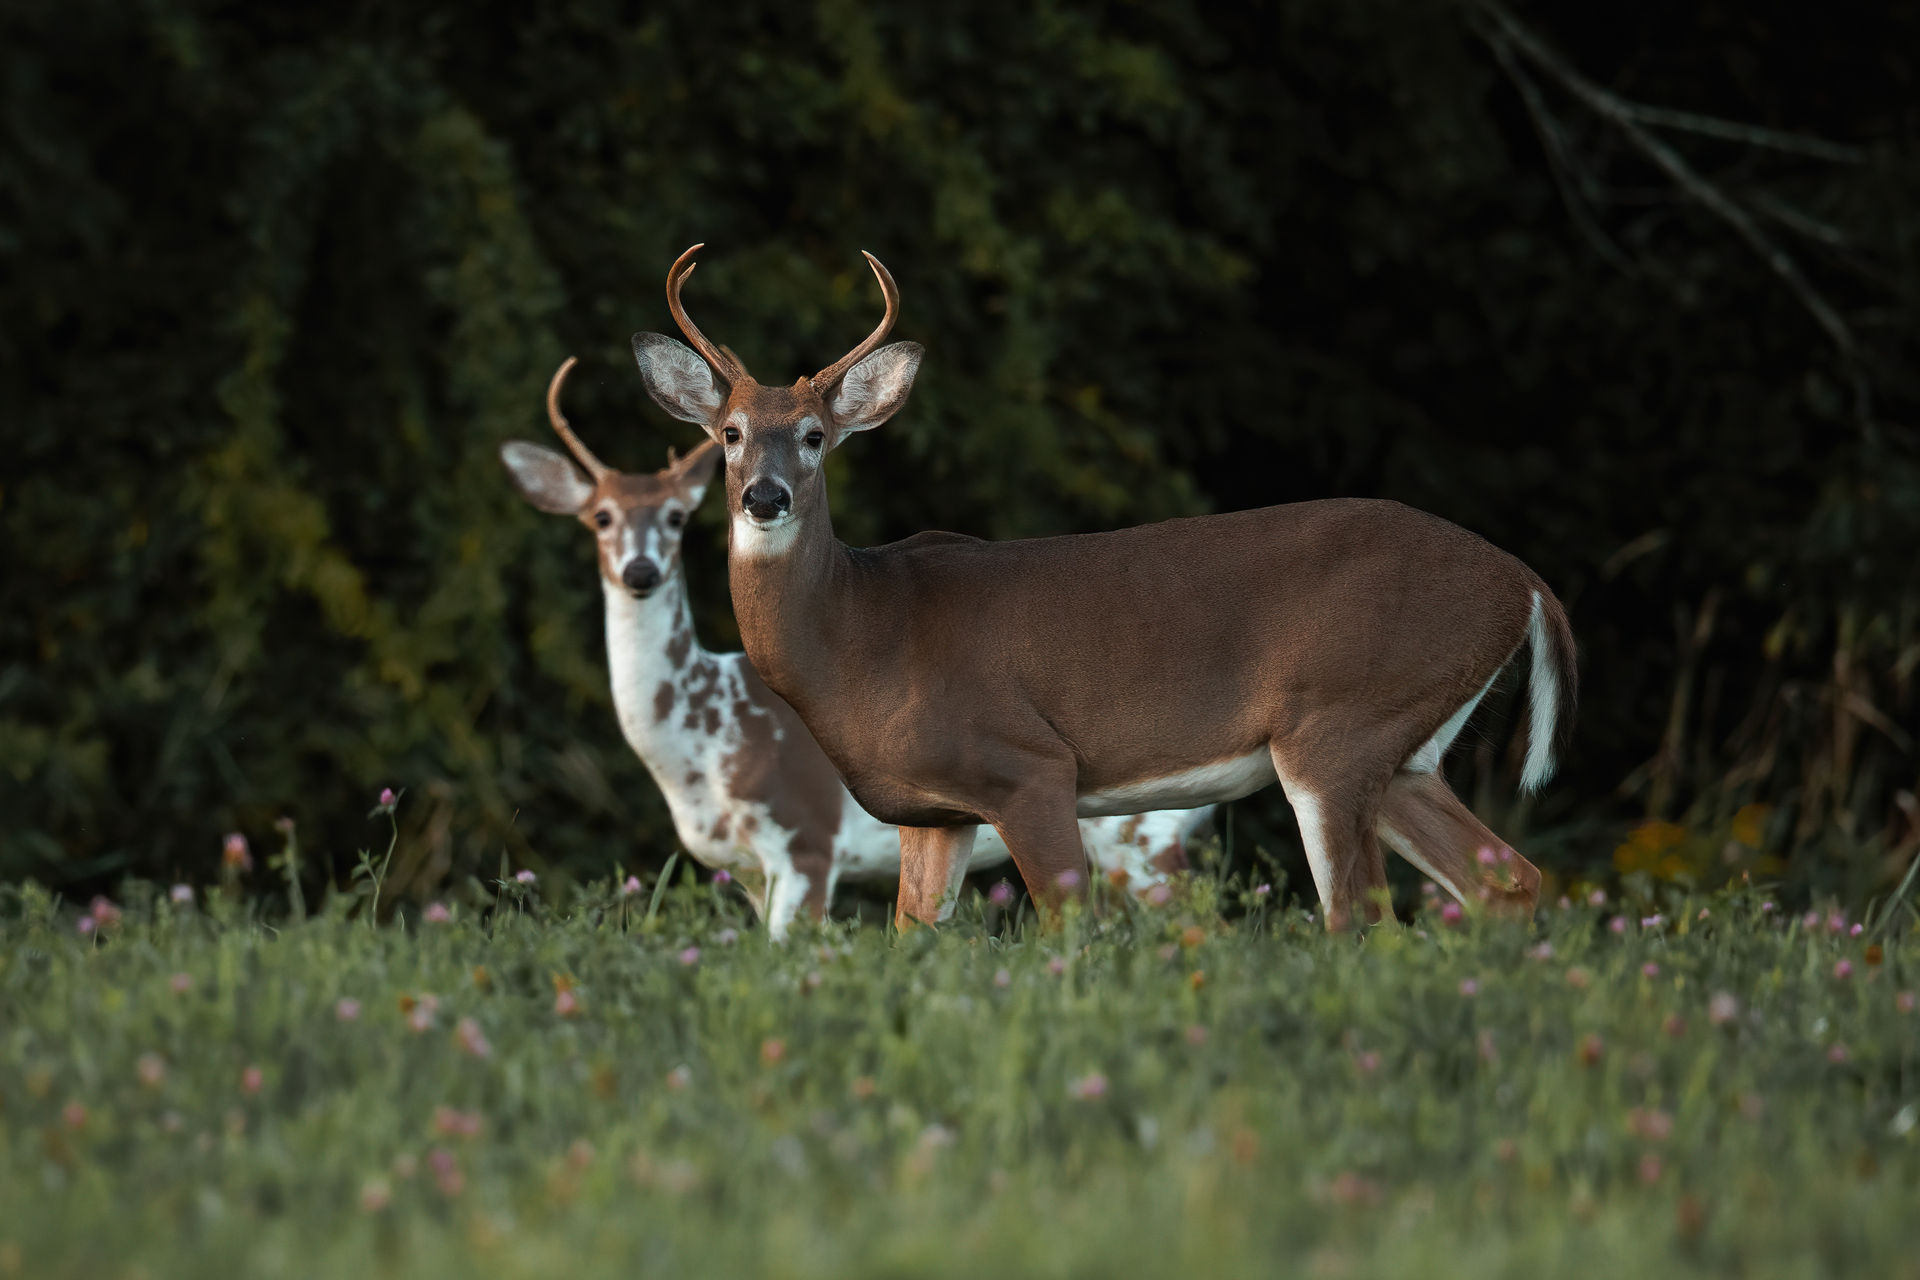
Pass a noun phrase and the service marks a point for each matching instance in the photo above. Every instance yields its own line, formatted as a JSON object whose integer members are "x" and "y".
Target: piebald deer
{"x": 1336, "y": 647}
{"x": 749, "y": 789}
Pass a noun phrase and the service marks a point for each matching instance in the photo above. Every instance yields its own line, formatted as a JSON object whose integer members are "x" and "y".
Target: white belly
{"x": 1208, "y": 784}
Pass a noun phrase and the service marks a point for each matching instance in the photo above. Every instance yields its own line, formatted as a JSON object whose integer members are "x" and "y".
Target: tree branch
{"x": 1630, "y": 118}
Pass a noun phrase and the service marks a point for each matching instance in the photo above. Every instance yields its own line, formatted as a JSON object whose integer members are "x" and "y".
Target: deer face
{"x": 774, "y": 438}
{"x": 637, "y": 520}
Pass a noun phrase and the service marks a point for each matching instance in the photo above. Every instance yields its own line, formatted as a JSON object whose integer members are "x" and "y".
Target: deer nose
{"x": 765, "y": 500}
{"x": 640, "y": 575}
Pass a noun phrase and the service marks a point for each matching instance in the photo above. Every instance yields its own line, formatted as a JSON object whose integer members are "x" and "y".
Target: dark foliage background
{"x": 275, "y": 280}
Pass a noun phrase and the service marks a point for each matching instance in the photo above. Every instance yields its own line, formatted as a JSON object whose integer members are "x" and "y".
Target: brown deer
{"x": 1336, "y": 647}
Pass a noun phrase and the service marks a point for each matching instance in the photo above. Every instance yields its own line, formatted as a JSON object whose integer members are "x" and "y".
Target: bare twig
{"x": 1575, "y": 186}
{"x": 1734, "y": 131}
{"x": 1631, "y": 119}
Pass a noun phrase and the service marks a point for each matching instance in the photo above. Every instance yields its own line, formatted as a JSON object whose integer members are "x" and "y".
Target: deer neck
{"x": 653, "y": 658}
{"x": 792, "y": 603}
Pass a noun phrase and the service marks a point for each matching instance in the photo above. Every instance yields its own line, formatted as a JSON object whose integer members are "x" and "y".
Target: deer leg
{"x": 933, "y": 863}
{"x": 1043, "y": 835}
{"x": 1337, "y": 830}
{"x": 1428, "y": 826}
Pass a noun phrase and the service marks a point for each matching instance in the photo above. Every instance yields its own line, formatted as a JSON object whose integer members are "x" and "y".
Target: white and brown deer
{"x": 749, "y": 789}
{"x": 1337, "y": 647}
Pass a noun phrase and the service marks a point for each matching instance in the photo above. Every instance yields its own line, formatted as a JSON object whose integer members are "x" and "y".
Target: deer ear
{"x": 874, "y": 389}
{"x": 696, "y": 469}
{"x": 678, "y": 380}
{"x": 548, "y": 480}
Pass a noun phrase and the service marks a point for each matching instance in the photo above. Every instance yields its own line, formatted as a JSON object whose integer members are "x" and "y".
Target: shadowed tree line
{"x": 1632, "y": 292}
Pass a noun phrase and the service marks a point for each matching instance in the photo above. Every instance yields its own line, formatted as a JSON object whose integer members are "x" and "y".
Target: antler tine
{"x": 829, "y": 378}
{"x": 595, "y": 468}
{"x": 718, "y": 357}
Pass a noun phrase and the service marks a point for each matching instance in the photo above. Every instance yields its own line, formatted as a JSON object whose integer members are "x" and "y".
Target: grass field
{"x": 1209, "y": 1088}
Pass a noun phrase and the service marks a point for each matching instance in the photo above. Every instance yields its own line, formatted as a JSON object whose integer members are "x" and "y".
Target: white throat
{"x": 650, "y": 644}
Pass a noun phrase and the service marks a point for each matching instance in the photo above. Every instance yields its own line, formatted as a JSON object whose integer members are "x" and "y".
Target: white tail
{"x": 749, "y": 789}
{"x": 1331, "y": 646}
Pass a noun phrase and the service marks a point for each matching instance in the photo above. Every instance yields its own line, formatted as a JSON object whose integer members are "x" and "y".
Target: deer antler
{"x": 829, "y": 378}
{"x": 595, "y": 468}
{"x": 720, "y": 358}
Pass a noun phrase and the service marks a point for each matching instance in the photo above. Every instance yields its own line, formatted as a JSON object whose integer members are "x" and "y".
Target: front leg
{"x": 933, "y": 863}
{"x": 1043, "y": 835}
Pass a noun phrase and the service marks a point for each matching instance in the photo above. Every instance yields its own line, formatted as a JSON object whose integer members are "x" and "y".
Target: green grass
{"x": 860, "y": 1103}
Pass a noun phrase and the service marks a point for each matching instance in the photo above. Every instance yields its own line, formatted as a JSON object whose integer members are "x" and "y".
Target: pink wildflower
{"x": 85, "y": 924}
{"x": 690, "y": 956}
{"x": 1811, "y": 920}
{"x": 1486, "y": 856}
{"x": 1722, "y": 1009}
{"x": 1087, "y": 1087}
{"x": 1598, "y": 898}
{"x": 723, "y": 876}
{"x": 1451, "y": 913}
{"x": 1001, "y": 894}
{"x": 1468, "y": 987}
{"x": 182, "y": 894}
{"x": 74, "y": 1115}
{"x": 180, "y": 983}
{"x": 727, "y": 937}
{"x": 251, "y": 1081}
{"x": 1262, "y": 890}
{"x": 1904, "y": 1002}
{"x": 436, "y": 913}
{"x": 1704, "y": 913}
{"x": 1618, "y": 924}
{"x": 446, "y": 1172}
{"x": 1856, "y": 931}
{"x": 420, "y": 1010}
{"x": 1653, "y": 1125}
{"x": 1836, "y": 922}
{"x": 1002, "y": 978}
{"x": 1767, "y": 906}
{"x": 456, "y": 1124}
{"x": 1429, "y": 889}
{"x": 1843, "y": 969}
{"x": 472, "y": 1039}
{"x": 234, "y": 854}
{"x": 387, "y": 798}
{"x": 566, "y": 1004}
{"x": 631, "y": 885}
{"x": 104, "y": 913}
{"x": 347, "y": 1009}
{"x": 1652, "y": 922}
{"x": 1056, "y": 966}
{"x": 1160, "y": 895}
{"x": 1069, "y": 880}
{"x": 1649, "y": 970}
{"x": 1544, "y": 951}
{"x": 524, "y": 876}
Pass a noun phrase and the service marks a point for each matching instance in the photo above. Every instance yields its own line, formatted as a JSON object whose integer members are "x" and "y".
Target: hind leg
{"x": 1428, "y": 826}
{"x": 1337, "y": 828}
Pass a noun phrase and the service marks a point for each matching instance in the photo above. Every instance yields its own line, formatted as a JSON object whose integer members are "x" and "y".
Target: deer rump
{"x": 1173, "y": 662}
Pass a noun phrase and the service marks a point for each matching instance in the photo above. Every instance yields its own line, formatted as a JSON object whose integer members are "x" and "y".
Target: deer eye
{"x": 814, "y": 438}
{"x": 731, "y": 435}
{"x": 601, "y": 519}
{"x": 675, "y": 519}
